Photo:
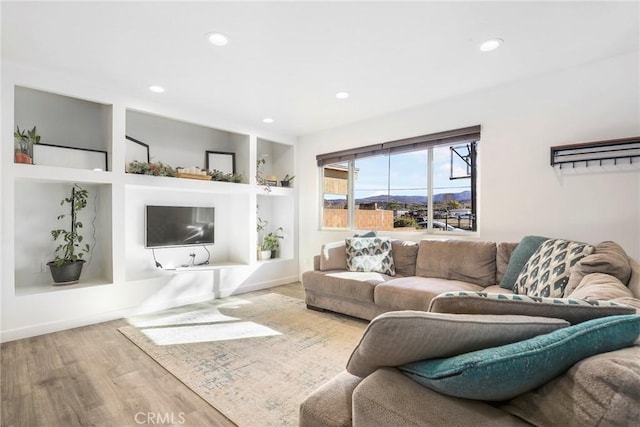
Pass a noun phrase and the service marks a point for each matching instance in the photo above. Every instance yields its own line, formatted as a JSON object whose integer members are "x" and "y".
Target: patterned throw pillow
{"x": 547, "y": 272}
{"x": 570, "y": 309}
{"x": 370, "y": 254}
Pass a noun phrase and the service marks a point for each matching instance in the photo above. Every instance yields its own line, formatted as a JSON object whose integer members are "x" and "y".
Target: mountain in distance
{"x": 460, "y": 197}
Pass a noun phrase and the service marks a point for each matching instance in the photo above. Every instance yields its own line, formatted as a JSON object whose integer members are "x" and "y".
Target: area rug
{"x": 252, "y": 358}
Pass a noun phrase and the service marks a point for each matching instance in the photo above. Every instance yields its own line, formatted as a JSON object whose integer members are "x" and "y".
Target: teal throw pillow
{"x": 501, "y": 373}
{"x": 519, "y": 257}
{"x": 372, "y": 254}
{"x": 367, "y": 234}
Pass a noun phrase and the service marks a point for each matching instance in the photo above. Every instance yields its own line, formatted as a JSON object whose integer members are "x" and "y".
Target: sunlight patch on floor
{"x": 207, "y": 333}
{"x": 204, "y": 315}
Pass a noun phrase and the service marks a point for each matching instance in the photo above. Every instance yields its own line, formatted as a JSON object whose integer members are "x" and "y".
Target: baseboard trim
{"x": 62, "y": 325}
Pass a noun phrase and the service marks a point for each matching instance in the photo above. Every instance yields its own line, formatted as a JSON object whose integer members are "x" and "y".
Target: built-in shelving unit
{"x": 121, "y": 273}
{"x": 586, "y": 153}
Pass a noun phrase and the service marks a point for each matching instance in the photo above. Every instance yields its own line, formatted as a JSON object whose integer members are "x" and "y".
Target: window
{"x": 425, "y": 183}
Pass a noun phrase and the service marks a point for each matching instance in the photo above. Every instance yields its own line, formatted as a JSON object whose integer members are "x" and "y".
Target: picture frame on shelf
{"x": 136, "y": 151}
{"x": 222, "y": 161}
{"x": 66, "y": 156}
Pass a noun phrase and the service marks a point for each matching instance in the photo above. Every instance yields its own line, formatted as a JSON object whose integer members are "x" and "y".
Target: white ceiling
{"x": 286, "y": 60}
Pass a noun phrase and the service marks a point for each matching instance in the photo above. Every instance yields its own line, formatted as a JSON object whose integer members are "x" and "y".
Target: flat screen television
{"x": 170, "y": 226}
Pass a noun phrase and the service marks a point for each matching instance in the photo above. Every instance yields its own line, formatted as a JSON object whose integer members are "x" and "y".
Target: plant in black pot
{"x": 286, "y": 181}
{"x": 67, "y": 264}
{"x": 270, "y": 241}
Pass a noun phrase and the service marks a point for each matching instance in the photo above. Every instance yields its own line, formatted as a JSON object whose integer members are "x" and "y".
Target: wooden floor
{"x": 94, "y": 376}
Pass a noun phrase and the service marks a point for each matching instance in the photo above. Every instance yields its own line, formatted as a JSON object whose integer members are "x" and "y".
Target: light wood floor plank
{"x": 94, "y": 376}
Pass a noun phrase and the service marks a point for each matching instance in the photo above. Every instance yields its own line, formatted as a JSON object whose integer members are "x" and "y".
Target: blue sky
{"x": 409, "y": 174}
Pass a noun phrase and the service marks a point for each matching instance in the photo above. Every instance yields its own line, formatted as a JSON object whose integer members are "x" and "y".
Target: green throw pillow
{"x": 519, "y": 257}
{"x": 501, "y": 373}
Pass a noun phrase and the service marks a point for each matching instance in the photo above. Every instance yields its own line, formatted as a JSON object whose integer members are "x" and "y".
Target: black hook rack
{"x": 597, "y": 151}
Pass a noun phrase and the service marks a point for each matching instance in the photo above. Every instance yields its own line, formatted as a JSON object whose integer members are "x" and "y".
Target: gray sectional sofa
{"x": 449, "y": 280}
{"x": 423, "y": 270}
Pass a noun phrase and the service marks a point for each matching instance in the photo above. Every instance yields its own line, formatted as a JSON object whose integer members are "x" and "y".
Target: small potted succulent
{"x": 66, "y": 267}
{"x": 23, "y": 140}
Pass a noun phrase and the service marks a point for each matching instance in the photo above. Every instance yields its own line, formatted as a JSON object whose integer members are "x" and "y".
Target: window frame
{"x": 469, "y": 136}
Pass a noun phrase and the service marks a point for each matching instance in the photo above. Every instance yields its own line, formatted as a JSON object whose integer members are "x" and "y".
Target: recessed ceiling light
{"x": 491, "y": 44}
{"x": 156, "y": 89}
{"x": 267, "y": 120}
{"x": 342, "y": 95}
{"x": 218, "y": 39}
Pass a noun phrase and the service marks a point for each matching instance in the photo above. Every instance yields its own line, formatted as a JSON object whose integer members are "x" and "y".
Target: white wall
{"x": 519, "y": 192}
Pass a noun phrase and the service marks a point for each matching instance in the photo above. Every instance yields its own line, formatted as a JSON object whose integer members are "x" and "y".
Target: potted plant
{"x": 261, "y": 225}
{"x": 66, "y": 267}
{"x": 23, "y": 144}
{"x": 286, "y": 181}
{"x": 260, "y": 179}
{"x": 270, "y": 241}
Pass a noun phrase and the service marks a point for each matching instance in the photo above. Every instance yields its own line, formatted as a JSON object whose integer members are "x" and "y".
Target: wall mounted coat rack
{"x": 617, "y": 150}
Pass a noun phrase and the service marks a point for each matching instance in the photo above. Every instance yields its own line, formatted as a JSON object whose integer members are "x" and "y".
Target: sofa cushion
{"x": 504, "y": 372}
{"x": 600, "y": 286}
{"x": 503, "y": 255}
{"x": 333, "y": 256}
{"x": 602, "y": 389}
{"x": 370, "y": 254}
{"x": 572, "y": 310}
{"x": 387, "y": 398}
{"x": 519, "y": 257}
{"x": 608, "y": 257}
{"x": 415, "y": 293}
{"x": 404, "y": 257}
{"x": 546, "y": 273}
{"x": 473, "y": 262}
{"x": 399, "y": 337}
{"x": 351, "y": 285}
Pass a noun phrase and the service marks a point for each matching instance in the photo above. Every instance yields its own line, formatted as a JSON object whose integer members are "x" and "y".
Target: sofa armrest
{"x": 389, "y": 398}
{"x": 330, "y": 404}
{"x": 316, "y": 263}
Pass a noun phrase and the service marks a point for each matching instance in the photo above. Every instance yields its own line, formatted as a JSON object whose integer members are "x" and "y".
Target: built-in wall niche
{"x": 278, "y": 160}
{"x": 230, "y": 230}
{"x": 74, "y": 133}
{"x": 180, "y": 144}
{"x": 36, "y": 208}
{"x": 275, "y": 211}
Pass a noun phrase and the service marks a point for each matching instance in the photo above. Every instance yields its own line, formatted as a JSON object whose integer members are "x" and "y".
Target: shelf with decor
{"x": 84, "y": 142}
{"x": 57, "y": 173}
{"x": 184, "y": 184}
{"x": 274, "y": 216}
{"x": 170, "y": 147}
{"x": 274, "y": 164}
{"x": 34, "y": 246}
